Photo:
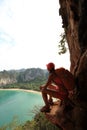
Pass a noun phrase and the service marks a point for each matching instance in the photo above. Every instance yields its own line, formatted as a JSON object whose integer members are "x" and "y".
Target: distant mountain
{"x": 22, "y": 76}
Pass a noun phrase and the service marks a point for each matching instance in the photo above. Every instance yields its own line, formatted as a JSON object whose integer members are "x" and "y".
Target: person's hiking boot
{"x": 45, "y": 109}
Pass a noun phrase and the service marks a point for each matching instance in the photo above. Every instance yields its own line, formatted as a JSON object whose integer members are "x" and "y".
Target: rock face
{"x": 74, "y": 20}
{"x": 74, "y": 17}
{"x": 71, "y": 119}
{"x": 25, "y": 75}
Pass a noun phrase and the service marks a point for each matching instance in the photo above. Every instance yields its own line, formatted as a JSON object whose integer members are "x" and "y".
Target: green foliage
{"x": 42, "y": 123}
{"x": 32, "y": 85}
{"x": 26, "y": 79}
{"x": 30, "y": 125}
{"x": 8, "y": 74}
{"x": 38, "y": 123}
{"x": 62, "y": 44}
{"x": 12, "y": 125}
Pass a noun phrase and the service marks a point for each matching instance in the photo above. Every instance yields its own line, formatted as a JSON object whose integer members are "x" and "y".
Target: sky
{"x": 29, "y": 34}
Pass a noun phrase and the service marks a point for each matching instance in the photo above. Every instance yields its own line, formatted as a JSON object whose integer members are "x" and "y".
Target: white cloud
{"x": 33, "y": 28}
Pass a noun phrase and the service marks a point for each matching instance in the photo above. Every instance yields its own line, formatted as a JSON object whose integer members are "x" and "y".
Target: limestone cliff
{"x": 22, "y": 76}
{"x": 74, "y": 22}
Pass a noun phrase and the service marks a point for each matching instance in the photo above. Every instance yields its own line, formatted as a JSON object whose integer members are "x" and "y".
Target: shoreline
{"x": 25, "y": 90}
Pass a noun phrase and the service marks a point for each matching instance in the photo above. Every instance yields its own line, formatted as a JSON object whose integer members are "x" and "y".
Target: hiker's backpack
{"x": 66, "y": 78}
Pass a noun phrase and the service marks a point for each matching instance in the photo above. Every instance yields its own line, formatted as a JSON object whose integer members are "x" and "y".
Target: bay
{"x": 19, "y": 104}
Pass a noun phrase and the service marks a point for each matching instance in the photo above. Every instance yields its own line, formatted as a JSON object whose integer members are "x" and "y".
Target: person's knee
{"x": 44, "y": 91}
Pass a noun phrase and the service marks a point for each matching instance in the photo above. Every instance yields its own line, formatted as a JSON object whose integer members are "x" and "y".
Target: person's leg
{"x": 55, "y": 94}
{"x": 45, "y": 108}
{"x": 45, "y": 98}
{"x": 50, "y": 100}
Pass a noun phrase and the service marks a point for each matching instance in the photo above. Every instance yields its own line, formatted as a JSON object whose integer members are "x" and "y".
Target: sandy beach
{"x": 25, "y": 90}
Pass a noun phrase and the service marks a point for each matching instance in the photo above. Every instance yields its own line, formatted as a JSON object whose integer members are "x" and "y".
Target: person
{"x": 54, "y": 88}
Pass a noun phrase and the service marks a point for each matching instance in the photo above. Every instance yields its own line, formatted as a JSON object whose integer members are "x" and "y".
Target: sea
{"x": 18, "y": 105}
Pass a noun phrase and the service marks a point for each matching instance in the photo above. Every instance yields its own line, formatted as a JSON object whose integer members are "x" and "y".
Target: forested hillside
{"x": 30, "y": 78}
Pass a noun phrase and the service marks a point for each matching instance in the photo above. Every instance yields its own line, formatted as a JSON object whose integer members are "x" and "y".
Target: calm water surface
{"x": 18, "y": 104}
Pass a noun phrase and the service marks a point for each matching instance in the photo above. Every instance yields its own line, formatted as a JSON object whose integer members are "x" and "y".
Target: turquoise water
{"x": 18, "y": 104}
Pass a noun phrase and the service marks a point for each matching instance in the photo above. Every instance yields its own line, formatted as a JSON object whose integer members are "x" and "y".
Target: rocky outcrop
{"x": 5, "y": 81}
{"x": 74, "y": 22}
{"x": 74, "y": 17}
{"x": 20, "y": 76}
{"x": 32, "y": 74}
{"x": 8, "y": 77}
{"x": 69, "y": 119}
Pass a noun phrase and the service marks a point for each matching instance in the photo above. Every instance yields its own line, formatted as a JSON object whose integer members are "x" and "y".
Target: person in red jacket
{"x": 54, "y": 88}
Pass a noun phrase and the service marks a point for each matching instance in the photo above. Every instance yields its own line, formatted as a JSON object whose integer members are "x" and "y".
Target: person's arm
{"x": 47, "y": 84}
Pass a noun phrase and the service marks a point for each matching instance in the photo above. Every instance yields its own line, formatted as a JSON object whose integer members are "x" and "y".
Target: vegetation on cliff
{"x": 24, "y": 79}
{"x": 39, "y": 122}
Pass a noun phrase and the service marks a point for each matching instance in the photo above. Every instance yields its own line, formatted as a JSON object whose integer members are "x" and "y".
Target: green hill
{"x": 30, "y": 78}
